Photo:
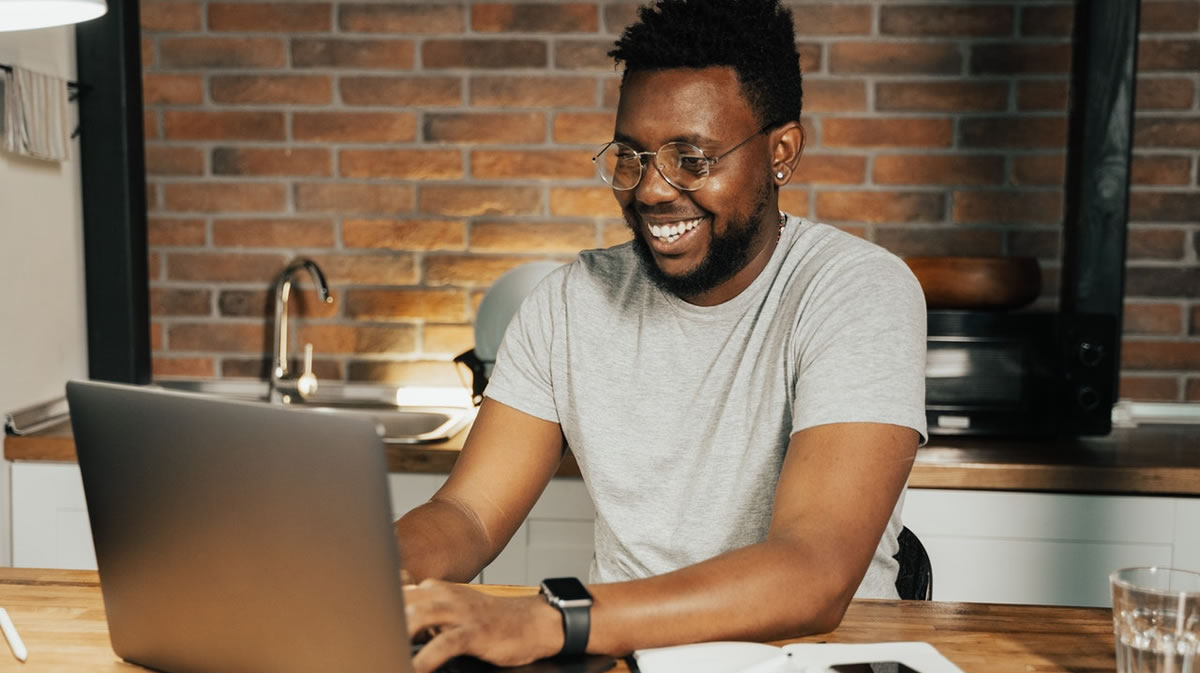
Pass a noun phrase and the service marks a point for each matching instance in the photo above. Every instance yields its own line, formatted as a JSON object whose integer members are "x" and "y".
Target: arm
{"x": 508, "y": 459}
{"x": 838, "y": 486}
{"x": 837, "y": 489}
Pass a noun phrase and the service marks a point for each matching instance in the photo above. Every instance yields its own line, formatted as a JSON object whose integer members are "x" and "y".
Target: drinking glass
{"x": 1156, "y": 620}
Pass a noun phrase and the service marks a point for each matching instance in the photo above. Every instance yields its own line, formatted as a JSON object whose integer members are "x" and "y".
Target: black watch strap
{"x": 574, "y": 602}
{"x": 576, "y": 627}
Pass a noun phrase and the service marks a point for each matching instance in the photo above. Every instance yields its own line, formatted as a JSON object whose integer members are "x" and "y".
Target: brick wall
{"x": 419, "y": 150}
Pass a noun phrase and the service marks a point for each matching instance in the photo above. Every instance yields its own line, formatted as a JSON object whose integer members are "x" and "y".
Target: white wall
{"x": 43, "y": 339}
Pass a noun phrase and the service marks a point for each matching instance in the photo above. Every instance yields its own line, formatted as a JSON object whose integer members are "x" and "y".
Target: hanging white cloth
{"x": 35, "y": 114}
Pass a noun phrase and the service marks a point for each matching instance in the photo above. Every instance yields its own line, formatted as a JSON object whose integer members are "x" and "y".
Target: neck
{"x": 770, "y": 230}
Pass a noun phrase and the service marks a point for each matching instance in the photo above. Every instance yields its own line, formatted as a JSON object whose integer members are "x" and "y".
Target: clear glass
{"x": 683, "y": 165}
{"x": 1156, "y": 620}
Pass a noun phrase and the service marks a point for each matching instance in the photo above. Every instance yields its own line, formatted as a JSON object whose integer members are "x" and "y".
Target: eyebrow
{"x": 692, "y": 139}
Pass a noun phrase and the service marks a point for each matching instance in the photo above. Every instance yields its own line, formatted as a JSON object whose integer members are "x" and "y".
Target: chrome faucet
{"x": 304, "y": 386}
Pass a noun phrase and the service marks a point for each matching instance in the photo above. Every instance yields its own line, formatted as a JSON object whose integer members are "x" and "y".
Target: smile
{"x": 669, "y": 233}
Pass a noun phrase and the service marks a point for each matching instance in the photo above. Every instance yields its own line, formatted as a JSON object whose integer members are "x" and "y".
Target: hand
{"x": 460, "y": 620}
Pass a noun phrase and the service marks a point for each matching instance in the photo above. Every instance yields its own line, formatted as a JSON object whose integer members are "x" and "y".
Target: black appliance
{"x": 1041, "y": 374}
{"x": 1019, "y": 374}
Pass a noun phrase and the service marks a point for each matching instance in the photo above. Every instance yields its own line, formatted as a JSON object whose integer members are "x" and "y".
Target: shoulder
{"x": 606, "y": 265}
{"x": 821, "y": 256}
{"x": 599, "y": 274}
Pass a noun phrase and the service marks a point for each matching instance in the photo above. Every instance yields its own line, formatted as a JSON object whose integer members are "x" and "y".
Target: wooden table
{"x": 60, "y": 615}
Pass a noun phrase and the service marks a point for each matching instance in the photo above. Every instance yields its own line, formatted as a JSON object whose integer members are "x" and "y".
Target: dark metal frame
{"x": 112, "y": 164}
{"x": 1100, "y": 144}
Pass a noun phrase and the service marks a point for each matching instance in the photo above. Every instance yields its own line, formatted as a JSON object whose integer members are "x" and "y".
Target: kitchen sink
{"x": 406, "y": 415}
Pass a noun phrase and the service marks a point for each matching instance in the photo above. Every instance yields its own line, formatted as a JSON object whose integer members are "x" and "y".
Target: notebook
{"x": 745, "y": 657}
{"x": 244, "y": 536}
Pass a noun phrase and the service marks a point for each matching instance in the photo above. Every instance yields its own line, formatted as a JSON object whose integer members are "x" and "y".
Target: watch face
{"x": 566, "y": 589}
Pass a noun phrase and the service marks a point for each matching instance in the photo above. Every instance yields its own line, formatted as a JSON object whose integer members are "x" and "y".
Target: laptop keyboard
{"x": 466, "y": 665}
{"x": 585, "y": 664}
{"x": 462, "y": 664}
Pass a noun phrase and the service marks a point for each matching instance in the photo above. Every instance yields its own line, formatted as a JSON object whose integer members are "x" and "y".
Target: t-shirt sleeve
{"x": 861, "y": 347}
{"x": 521, "y": 377}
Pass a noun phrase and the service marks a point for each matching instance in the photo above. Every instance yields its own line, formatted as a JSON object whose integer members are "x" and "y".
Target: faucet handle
{"x": 306, "y": 385}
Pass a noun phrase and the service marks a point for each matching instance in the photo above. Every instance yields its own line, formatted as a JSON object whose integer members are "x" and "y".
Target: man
{"x": 743, "y": 391}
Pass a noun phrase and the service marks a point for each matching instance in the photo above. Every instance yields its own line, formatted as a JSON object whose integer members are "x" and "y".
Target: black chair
{"x": 914, "y": 582}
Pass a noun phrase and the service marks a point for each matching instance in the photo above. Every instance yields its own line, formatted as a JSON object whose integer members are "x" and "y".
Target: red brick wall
{"x": 419, "y": 150}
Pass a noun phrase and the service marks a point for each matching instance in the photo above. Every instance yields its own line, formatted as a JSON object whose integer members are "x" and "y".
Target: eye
{"x": 693, "y": 163}
{"x": 626, "y": 155}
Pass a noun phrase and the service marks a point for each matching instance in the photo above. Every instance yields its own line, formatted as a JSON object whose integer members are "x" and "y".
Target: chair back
{"x": 914, "y": 581}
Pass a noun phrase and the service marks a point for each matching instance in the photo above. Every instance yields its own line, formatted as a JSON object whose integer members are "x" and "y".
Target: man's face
{"x": 729, "y": 222}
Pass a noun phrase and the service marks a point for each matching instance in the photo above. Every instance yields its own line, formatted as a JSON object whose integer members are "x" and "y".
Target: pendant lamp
{"x": 29, "y": 14}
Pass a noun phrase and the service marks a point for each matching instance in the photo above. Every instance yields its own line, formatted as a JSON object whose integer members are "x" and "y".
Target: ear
{"x": 788, "y": 144}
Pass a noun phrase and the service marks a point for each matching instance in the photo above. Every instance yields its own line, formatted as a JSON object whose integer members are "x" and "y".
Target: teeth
{"x": 671, "y": 232}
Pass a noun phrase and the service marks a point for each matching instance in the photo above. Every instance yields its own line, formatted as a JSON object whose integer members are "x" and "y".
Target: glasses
{"x": 683, "y": 165}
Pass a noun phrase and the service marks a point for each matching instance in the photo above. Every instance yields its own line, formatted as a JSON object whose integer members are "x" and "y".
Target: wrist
{"x": 573, "y": 602}
{"x": 546, "y": 622}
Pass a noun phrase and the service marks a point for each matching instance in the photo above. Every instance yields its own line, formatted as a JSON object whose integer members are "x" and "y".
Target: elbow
{"x": 827, "y": 604}
{"x": 828, "y": 615}
{"x": 829, "y": 582}
{"x": 821, "y": 611}
{"x": 820, "y": 614}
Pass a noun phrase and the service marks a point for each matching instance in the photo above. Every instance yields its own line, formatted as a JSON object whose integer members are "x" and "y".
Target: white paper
{"x": 744, "y": 657}
{"x": 714, "y": 657}
{"x": 922, "y": 657}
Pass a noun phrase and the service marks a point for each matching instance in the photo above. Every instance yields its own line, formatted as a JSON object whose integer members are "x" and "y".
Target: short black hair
{"x": 754, "y": 37}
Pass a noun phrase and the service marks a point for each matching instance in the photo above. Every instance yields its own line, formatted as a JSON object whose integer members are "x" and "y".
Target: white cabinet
{"x": 1047, "y": 548}
{"x": 554, "y": 541}
{"x": 51, "y": 530}
{"x": 986, "y": 546}
{"x": 50, "y": 526}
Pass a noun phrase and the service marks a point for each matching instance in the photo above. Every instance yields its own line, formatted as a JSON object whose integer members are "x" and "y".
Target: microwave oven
{"x": 1029, "y": 374}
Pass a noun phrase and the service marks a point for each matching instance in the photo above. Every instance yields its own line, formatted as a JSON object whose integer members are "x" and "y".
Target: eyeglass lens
{"x": 681, "y": 164}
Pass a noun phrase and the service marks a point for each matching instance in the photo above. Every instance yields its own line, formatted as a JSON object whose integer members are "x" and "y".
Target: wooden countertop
{"x": 1147, "y": 460}
{"x": 60, "y": 615}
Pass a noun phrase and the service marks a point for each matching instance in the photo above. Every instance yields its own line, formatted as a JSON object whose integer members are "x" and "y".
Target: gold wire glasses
{"x": 681, "y": 164}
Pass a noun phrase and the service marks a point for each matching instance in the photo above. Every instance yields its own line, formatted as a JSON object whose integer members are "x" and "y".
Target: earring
{"x": 779, "y": 174}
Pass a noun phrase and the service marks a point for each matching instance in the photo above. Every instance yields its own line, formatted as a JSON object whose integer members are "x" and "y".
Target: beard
{"x": 728, "y": 252}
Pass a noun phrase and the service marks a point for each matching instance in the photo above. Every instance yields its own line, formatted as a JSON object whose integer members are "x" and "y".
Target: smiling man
{"x": 743, "y": 389}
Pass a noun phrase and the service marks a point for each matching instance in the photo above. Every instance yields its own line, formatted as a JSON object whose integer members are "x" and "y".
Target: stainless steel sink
{"x": 406, "y": 415}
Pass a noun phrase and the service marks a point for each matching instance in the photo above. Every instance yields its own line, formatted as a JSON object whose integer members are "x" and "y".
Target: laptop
{"x": 244, "y": 536}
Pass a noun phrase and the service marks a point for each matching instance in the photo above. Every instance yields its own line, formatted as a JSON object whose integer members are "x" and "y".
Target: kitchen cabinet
{"x": 50, "y": 526}
{"x": 51, "y": 530}
{"x": 1047, "y": 548}
{"x": 986, "y": 546}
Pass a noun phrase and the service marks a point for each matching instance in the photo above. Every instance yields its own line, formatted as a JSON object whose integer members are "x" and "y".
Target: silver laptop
{"x": 243, "y": 536}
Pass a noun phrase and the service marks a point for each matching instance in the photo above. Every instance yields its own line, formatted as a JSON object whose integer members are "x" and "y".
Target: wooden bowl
{"x": 979, "y": 283}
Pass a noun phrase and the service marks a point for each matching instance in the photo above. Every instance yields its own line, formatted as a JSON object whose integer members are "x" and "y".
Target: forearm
{"x": 775, "y": 589}
{"x": 441, "y": 539}
{"x": 508, "y": 458}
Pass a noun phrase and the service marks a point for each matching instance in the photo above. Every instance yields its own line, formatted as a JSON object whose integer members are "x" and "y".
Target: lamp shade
{"x": 28, "y": 14}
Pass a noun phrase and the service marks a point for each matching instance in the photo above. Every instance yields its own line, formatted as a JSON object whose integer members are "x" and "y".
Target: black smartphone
{"x": 874, "y": 667}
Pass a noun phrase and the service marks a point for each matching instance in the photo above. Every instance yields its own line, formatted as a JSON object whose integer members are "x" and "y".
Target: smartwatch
{"x": 572, "y": 599}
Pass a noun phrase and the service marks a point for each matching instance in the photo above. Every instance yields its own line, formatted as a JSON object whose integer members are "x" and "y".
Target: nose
{"x": 654, "y": 188}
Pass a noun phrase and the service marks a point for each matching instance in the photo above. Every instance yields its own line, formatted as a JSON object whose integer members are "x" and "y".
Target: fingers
{"x": 443, "y": 647}
{"x": 459, "y": 620}
{"x": 429, "y": 614}
{"x": 429, "y": 606}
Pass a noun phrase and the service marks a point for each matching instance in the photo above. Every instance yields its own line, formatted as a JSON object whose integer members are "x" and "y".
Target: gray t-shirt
{"x": 679, "y": 415}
